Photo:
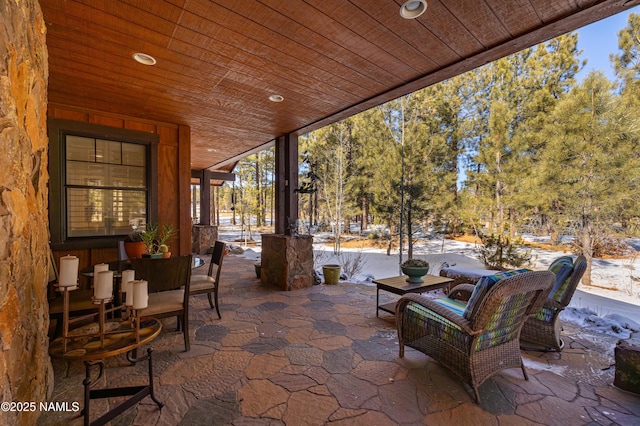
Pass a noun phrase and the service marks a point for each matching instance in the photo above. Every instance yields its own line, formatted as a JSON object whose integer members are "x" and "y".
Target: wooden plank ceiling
{"x": 218, "y": 61}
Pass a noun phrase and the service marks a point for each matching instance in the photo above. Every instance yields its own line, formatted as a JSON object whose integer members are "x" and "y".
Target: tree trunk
{"x": 233, "y": 203}
{"x": 365, "y": 212}
{"x": 499, "y": 206}
{"x": 512, "y": 223}
{"x": 586, "y": 241}
{"x": 259, "y": 217}
{"x": 217, "y": 197}
{"x": 409, "y": 233}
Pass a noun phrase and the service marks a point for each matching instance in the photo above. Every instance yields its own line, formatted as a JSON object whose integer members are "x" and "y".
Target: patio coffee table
{"x": 400, "y": 286}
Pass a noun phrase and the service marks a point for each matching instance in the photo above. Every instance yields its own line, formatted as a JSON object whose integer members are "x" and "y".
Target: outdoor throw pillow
{"x": 482, "y": 287}
{"x": 562, "y": 267}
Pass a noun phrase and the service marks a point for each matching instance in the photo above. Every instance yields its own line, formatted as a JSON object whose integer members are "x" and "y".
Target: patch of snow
{"x": 534, "y": 364}
{"x": 611, "y": 307}
{"x": 611, "y": 325}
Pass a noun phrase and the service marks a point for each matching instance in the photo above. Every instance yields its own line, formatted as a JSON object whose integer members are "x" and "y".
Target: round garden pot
{"x": 414, "y": 273}
{"x": 134, "y": 249}
{"x": 331, "y": 274}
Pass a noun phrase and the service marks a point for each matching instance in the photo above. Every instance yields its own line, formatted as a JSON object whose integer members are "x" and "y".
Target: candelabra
{"x": 102, "y": 295}
{"x": 66, "y": 321}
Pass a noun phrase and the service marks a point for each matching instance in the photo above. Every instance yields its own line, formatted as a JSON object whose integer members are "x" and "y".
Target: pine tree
{"x": 591, "y": 159}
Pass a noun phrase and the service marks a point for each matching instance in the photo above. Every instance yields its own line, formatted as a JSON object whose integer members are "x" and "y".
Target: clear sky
{"x": 599, "y": 40}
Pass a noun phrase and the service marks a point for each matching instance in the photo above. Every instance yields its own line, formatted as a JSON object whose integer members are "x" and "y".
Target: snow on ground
{"x": 611, "y": 305}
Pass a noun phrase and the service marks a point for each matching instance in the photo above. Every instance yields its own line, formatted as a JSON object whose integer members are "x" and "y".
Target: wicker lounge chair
{"x": 484, "y": 340}
{"x": 543, "y": 328}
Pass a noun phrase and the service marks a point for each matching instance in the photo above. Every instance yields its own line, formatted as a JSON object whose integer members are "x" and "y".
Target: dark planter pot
{"x": 153, "y": 255}
{"x": 415, "y": 273}
{"x": 258, "y": 268}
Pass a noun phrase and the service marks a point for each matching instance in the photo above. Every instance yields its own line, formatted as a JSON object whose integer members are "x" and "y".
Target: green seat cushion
{"x": 454, "y": 305}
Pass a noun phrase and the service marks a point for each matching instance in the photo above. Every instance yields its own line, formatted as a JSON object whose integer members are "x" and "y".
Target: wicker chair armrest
{"x": 462, "y": 291}
{"x": 434, "y": 307}
{"x": 553, "y": 304}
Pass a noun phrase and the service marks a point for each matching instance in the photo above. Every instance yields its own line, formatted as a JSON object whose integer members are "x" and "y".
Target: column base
{"x": 287, "y": 261}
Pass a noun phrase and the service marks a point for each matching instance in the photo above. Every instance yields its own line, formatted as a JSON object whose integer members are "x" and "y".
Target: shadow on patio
{"x": 320, "y": 355}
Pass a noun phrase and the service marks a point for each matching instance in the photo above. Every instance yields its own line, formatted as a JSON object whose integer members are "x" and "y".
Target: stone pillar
{"x": 203, "y": 237}
{"x": 287, "y": 261}
{"x": 25, "y": 366}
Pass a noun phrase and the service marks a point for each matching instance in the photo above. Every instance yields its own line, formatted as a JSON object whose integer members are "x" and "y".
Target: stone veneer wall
{"x": 25, "y": 367}
{"x": 203, "y": 238}
{"x": 287, "y": 261}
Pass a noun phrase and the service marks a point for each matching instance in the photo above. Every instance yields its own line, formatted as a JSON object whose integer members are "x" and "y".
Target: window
{"x": 102, "y": 182}
{"x": 105, "y": 186}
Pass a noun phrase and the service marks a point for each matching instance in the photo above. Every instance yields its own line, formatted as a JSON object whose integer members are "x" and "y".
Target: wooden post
{"x": 205, "y": 198}
{"x": 286, "y": 204}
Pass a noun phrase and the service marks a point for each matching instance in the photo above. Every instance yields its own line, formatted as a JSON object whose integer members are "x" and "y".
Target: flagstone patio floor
{"x": 321, "y": 356}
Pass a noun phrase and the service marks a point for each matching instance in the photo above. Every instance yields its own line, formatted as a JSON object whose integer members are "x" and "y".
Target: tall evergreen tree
{"x": 627, "y": 62}
{"x": 591, "y": 159}
{"x": 520, "y": 90}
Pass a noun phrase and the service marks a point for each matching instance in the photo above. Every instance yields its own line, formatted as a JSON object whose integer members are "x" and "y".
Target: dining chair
{"x": 168, "y": 284}
{"x": 201, "y": 284}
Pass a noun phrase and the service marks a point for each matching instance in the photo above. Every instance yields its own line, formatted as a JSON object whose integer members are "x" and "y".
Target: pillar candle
{"x": 99, "y": 268}
{"x": 129, "y": 299}
{"x": 140, "y": 294}
{"x": 128, "y": 277}
{"x": 103, "y": 285}
{"x": 68, "y": 271}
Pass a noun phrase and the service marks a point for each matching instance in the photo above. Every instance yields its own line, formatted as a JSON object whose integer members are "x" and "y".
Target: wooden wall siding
{"x": 184, "y": 167}
{"x": 219, "y": 60}
{"x": 174, "y": 197}
{"x": 168, "y": 204}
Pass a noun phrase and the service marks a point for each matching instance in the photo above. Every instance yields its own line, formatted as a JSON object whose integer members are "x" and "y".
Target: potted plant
{"x": 415, "y": 269}
{"x": 155, "y": 240}
{"x": 164, "y": 234}
{"x": 134, "y": 246}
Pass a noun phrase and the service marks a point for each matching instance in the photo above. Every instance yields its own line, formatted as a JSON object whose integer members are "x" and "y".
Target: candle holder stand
{"x": 65, "y": 311}
{"x": 101, "y": 314}
{"x": 135, "y": 323}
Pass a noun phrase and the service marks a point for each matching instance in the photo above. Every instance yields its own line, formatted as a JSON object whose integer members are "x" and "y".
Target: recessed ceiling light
{"x": 211, "y": 150}
{"x": 144, "y": 59}
{"x": 276, "y": 98}
{"x": 413, "y": 8}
